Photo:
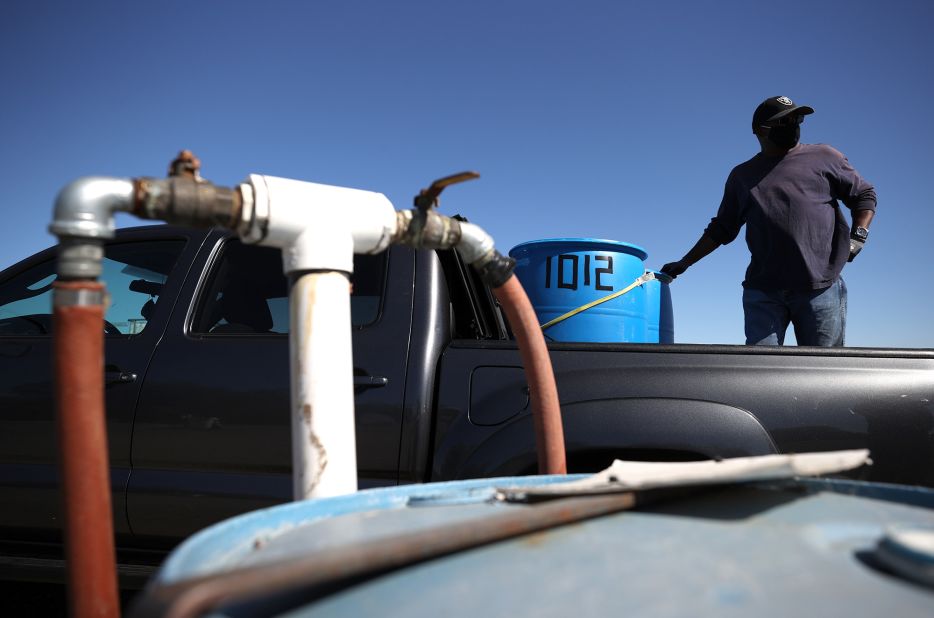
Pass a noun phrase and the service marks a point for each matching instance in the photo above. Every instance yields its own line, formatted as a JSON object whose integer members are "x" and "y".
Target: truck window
{"x": 247, "y": 292}
{"x": 475, "y": 314}
{"x": 134, "y": 274}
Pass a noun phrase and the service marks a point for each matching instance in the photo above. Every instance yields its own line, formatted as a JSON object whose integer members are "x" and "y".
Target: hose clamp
{"x": 78, "y": 298}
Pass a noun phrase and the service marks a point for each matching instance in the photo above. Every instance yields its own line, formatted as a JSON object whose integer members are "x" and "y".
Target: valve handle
{"x": 428, "y": 198}
{"x": 186, "y": 164}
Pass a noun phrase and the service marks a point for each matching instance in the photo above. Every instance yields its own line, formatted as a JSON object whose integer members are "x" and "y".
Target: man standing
{"x": 787, "y": 196}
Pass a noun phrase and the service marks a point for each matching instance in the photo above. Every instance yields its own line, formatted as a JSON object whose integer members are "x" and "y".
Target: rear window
{"x": 247, "y": 292}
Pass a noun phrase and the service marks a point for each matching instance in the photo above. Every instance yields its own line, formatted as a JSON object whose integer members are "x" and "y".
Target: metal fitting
{"x": 495, "y": 268}
{"x": 183, "y": 200}
{"x": 85, "y": 207}
{"x": 83, "y": 218}
{"x": 80, "y": 258}
{"x": 474, "y": 243}
{"x": 426, "y": 229}
{"x": 84, "y": 213}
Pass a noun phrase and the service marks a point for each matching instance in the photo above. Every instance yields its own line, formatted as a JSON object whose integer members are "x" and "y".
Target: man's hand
{"x": 855, "y": 247}
{"x": 673, "y": 269}
{"x": 703, "y": 247}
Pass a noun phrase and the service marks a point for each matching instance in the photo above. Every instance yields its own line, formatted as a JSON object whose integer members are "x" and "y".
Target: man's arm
{"x": 856, "y": 193}
{"x": 721, "y": 231}
{"x": 701, "y": 249}
{"x": 861, "y": 219}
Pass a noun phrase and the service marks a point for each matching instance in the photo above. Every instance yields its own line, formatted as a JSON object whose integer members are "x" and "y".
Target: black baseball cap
{"x": 777, "y": 107}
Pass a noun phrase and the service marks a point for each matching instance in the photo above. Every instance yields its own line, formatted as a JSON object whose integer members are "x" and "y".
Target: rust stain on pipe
{"x": 79, "y": 367}
{"x": 322, "y": 459}
{"x": 546, "y": 410}
{"x": 322, "y": 454}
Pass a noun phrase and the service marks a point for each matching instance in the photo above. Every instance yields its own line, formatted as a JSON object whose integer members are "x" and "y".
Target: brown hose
{"x": 546, "y": 411}
{"x": 78, "y": 330}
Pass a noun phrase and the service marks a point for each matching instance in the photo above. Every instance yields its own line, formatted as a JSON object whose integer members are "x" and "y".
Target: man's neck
{"x": 771, "y": 150}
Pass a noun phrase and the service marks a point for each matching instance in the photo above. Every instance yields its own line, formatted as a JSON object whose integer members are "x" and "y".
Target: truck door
{"x": 139, "y": 272}
{"x": 212, "y": 437}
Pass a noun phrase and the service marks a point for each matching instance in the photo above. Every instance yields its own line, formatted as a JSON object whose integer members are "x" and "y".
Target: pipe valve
{"x": 423, "y": 228}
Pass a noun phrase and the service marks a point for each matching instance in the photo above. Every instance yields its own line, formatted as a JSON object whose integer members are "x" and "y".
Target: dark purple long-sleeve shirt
{"x": 798, "y": 238}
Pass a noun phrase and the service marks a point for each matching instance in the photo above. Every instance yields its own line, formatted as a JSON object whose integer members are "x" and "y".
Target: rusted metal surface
{"x": 186, "y": 164}
{"x": 78, "y": 329}
{"x": 546, "y": 410}
{"x": 196, "y": 596}
{"x": 182, "y": 200}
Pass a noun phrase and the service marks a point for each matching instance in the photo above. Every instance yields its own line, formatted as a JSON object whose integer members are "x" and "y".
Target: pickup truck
{"x": 197, "y": 395}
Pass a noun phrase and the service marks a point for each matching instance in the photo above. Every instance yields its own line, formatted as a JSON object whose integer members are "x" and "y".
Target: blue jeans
{"x": 819, "y": 316}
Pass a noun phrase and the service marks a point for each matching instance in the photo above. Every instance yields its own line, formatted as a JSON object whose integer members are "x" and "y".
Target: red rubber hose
{"x": 546, "y": 411}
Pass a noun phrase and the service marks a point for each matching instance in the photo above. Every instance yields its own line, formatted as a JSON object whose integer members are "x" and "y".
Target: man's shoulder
{"x": 821, "y": 150}
{"x": 744, "y": 169}
{"x": 745, "y": 165}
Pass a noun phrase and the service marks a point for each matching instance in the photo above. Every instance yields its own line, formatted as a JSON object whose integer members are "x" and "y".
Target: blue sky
{"x": 615, "y": 120}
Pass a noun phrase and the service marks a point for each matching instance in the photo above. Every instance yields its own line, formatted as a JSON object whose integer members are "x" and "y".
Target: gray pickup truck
{"x": 197, "y": 392}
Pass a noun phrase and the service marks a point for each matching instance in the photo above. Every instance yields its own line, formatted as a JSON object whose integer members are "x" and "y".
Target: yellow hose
{"x": 639, "y": 281}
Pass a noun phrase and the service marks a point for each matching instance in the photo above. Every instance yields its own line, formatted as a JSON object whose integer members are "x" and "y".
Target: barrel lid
{"x": 908, "y": 551}
{"x": 582, "y": 244}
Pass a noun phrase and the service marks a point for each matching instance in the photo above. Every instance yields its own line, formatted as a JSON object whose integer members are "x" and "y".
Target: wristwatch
{"x": 859, "y": 233}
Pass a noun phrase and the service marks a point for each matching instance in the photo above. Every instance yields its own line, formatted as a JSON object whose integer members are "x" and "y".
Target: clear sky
{"x": 610, "y": 119}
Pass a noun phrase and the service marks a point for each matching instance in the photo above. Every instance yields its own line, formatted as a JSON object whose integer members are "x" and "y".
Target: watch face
{"x": 861, "y": 233}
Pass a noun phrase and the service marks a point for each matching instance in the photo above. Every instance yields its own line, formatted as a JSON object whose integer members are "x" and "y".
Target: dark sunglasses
{"x": 784, "y": 121}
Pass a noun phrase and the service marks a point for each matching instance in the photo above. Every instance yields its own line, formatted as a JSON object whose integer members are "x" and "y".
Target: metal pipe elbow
{"x": 85, "y": 207}
{"x": 474, "y": 243}
{"x": 83, "y": 218}
{"x": 477, "y": 248}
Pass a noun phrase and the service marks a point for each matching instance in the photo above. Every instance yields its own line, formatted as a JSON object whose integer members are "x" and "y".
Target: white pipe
{"x": 324, "y": 456}
{"x": 319, "y": 228}
{"x": 335, "y": 222}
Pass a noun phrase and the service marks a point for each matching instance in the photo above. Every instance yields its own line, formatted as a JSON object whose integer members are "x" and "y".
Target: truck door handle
{"x": 116, "y": 376}
{"x": 364, "y": 382}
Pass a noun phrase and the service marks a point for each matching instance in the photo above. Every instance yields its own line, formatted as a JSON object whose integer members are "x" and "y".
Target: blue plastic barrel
{"x": 660, "y": 315}
{"x": 562, "y": 274}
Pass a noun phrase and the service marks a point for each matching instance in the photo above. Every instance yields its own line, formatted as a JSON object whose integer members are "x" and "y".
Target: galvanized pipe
{"x": 187, "y": 201}
{"x": 83, "y": 218}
